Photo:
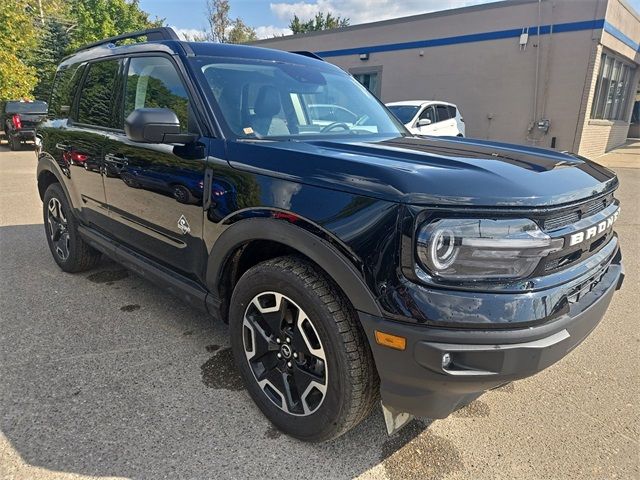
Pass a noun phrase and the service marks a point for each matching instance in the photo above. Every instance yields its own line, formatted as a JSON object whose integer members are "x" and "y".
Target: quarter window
{"x": 612, "y": 94}
{"x": 153, "y": 82}
{"x": 95, "y": 106}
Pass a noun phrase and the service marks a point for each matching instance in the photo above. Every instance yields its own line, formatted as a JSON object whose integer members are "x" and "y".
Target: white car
{"x": 429, "y": 117}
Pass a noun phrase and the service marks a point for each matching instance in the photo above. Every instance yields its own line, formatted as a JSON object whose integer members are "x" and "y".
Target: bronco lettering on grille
{"x": 594, "y": 230}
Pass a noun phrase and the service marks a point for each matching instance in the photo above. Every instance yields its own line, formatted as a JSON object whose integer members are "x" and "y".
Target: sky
{"x": 272, "y": 17}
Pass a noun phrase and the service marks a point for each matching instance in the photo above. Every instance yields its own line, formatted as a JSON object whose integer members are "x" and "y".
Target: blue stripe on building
{"x": 621, "y": 36}
{"x": 470, "y": 38}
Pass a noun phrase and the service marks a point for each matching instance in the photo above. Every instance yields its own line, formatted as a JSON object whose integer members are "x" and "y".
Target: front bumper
{"x": 414, "y": 380}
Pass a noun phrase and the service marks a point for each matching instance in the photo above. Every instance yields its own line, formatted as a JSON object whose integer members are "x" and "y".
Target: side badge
{"x": 183, "y": 225}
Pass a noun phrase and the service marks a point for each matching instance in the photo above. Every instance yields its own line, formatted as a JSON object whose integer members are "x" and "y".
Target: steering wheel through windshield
{"x": 333, "y": 126}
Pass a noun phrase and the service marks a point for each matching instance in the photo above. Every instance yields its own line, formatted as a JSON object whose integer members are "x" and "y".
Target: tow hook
{"x": 395, "y": 419}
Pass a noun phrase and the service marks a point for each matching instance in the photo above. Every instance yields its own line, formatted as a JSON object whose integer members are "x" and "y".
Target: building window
{"x": 612, "y": 94}
{"x": 369, "y": 80}
{"x": 370, "y": 77}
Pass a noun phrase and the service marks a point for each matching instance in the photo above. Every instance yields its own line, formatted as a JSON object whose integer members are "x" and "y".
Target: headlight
{"x": 483, "y": 249}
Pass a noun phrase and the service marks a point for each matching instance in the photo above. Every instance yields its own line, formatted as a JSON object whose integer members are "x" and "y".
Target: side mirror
{"x": 423, "y": 122}
{"x": 155, "y": 125}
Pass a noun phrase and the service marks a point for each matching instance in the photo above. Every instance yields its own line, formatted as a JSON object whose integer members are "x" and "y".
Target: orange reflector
{"x": 391, "y": 341}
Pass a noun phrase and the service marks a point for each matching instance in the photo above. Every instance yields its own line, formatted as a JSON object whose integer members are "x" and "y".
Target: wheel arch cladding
{"x": 45, "y": 178}
{"x": 48, "y": 172}
{"x": 262, "y": 239}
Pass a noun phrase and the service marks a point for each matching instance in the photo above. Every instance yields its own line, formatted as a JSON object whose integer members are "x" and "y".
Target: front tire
{"x": 69, "y": 250}
{"x": 300, "y": 350}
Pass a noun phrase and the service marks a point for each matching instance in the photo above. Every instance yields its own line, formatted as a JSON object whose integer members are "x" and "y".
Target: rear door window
{"x": 452, "y": 111}
{"x": 443, "y": 113}
{"x": 95, "y": 106}
{"x": 64, "y": 90}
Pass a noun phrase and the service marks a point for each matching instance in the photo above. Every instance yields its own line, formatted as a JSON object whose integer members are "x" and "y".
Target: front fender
{"x": 321, "y": 252}
{"x": 47, "y": 165}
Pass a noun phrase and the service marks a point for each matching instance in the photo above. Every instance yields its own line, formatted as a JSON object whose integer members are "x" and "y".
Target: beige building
{"x": 553, "y": 73}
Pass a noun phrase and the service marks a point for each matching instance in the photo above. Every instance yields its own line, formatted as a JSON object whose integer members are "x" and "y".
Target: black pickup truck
{"x": 19, "y": 120}
{"x": 353, "y": 261}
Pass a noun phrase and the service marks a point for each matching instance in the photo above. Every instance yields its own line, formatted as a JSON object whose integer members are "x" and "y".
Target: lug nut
{"x": 288, "y": 340}
{"x": 295, "y": 355}
{"x": 277, "y": 340}
{"x": 289, "y": 364}
{"x": 279, "y": 356}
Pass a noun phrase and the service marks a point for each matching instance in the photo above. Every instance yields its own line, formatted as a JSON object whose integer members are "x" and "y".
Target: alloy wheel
{"x": 285, "y": 353}
{"x": 58, "y": 228}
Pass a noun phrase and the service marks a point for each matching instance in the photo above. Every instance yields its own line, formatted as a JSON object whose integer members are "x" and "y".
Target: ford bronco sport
{"x": 352, "y": 260}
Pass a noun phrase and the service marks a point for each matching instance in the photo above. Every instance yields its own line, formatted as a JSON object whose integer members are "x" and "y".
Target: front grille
{"x": 576, "y": 213}
{"x": 595, "y": 207}
{"x": 561, "y": 220}
{"x": 573, "y": 219}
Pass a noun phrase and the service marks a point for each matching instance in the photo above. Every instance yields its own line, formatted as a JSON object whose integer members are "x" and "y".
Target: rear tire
{"x": 69, "y": 250}
{"x": 322, "y": 382}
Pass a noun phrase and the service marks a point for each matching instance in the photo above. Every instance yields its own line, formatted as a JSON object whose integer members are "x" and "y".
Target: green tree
{"x": 218, "y": 18}
{"x": 223, "y": 28}
{"x": 52, "y": 46}
{"x": 98, "y": 19}
{"x": 241, "y": 32}
{"x": 17, "y": 39}
{"x": 320, "y": 22}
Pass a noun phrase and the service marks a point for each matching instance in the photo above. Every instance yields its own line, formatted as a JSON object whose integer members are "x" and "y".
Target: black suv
{"x": 352, "y": 260}
{"x": 19, "y": 120}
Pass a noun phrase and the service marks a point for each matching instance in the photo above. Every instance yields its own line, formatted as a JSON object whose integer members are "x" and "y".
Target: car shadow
{"x": 105, "y": 374}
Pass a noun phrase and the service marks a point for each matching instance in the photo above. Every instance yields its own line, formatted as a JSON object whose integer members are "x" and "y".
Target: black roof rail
{"x": 152, "y": 34}
{"x": 308, "y": 54}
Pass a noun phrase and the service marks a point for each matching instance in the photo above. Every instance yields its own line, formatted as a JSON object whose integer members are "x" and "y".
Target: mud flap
{"x": 395, "y": 419}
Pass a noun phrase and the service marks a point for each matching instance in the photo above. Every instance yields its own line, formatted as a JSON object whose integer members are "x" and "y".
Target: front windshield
{"x": 278, "y": 100}
{"x": 404, "y": 113}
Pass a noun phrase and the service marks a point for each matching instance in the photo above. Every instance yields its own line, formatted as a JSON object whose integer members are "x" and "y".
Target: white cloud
{"x": 363, "y": 11}
{"x": 269, "y": 31}
{"x": 188, "y": 34}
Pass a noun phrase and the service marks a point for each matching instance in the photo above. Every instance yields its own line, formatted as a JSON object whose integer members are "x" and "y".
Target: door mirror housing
{"x": 423, "y": 122}
{"x": 155, "y": 125}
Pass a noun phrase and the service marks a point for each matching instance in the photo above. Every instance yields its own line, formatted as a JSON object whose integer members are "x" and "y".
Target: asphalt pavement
{"x": 103, "y": 375}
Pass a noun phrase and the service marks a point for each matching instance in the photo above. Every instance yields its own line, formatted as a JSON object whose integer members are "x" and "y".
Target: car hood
{"x": 430, "y": 170}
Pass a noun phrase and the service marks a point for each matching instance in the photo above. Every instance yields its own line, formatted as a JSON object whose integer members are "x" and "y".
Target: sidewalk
{"x": 626, "y": 156}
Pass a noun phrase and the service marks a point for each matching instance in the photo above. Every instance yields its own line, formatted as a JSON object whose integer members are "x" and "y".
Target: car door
{"x": 428, "y": 113}
{"x": 80, "y": 144}
{"x": 155, "y": 191}
{"x": 445, "y": 125}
